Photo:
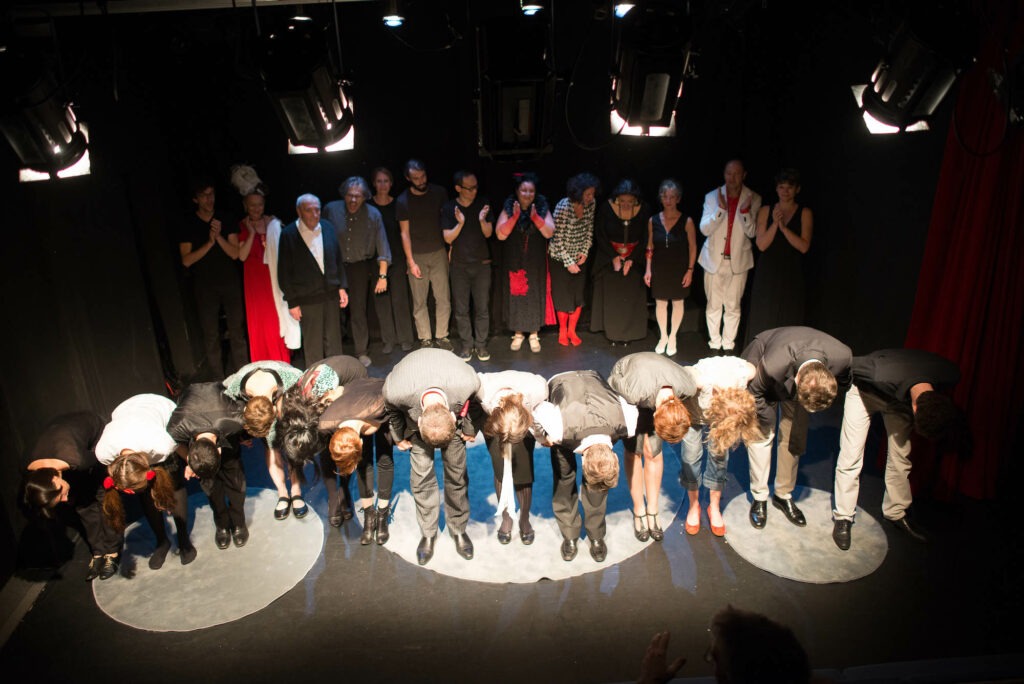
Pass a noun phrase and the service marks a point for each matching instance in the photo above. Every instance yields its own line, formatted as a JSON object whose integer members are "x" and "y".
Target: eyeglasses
{"x": 469, "y": 188}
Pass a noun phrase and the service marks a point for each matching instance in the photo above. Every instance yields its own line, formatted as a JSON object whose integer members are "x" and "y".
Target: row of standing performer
{"x": 347, "y": 422}
{"x": 348, "y": 255}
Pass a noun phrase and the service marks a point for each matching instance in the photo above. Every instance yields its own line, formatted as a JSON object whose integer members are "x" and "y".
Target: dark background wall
{"x": 92, "y": 279}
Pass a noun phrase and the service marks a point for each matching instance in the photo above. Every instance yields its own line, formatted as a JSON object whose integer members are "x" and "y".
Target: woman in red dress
{"x": 265, "y": 341}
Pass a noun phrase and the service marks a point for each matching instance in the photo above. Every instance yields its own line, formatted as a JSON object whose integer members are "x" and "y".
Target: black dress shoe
{"x": 904, "y": 526}
{"x": 93, "y": 571}
{"x": 240, "y": 535}
{"x": 841, "y": 534}
{"x": 598, "y": 550}
{"x": 758, "y": 514}
{"x": 792, "y": 513}
{"x": 222, "y": 537}
{"x": 425, "y": 551}
{"x": 568, "y": 549}
{"x": 463, "y": 545}
{"x": 111, "y": 564}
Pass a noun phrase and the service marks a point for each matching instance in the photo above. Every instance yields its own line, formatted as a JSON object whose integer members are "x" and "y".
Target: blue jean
{"x": 694, "y": 451}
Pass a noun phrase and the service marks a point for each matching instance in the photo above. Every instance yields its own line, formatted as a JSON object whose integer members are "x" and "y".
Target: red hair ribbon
{"x": 150, "y": 474}
{"x": 108, "y": 482}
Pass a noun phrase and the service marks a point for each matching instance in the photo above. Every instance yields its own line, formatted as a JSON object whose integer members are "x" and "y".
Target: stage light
{"x": 82, "y": 167}
{"x": 875, "y": 126}
{"x": 622, "y": 8}
{"x": 920, "y": 66}
{"x": 530, "y": 8}
{"x": 309, "y": 97}
{"x": 652, "y": 58}
{"x": 393, "y": 15}
{"x": 36, "y": 118}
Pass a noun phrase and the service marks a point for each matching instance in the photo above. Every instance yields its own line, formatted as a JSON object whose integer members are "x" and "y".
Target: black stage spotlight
{"x": 308, "y": 95}
{"x": 393, "y": 15}
{"x": 36, "y": 118}
{"x": 517, "y": 87}
{"x": 920, "y": 66}
{"x": 651, "y": 60}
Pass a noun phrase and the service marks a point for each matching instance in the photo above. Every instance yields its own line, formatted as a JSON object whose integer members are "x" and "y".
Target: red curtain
{"x": 970, "y": 294}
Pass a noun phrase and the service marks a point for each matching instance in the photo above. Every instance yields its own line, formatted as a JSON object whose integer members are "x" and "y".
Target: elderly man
{"x": 584, "y": 416}
{"x": 800, "y": 370}
{"x": 311, "y": 273}
{"x": 418, "y": 210}
{"x": 427, "y": 396}
{"x": 728, "y": 222}
{"x": 367, "y": 255}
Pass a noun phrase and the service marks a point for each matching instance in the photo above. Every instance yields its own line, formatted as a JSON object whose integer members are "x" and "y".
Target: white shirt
{"x": 314, "y": 239}
{"x": 139, "y": 424}
{"x": 550, "y": 418}
{"x": 723, "y": 372}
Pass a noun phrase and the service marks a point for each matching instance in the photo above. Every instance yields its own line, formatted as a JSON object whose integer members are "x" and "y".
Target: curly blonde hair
{"x": 731, "y": 417}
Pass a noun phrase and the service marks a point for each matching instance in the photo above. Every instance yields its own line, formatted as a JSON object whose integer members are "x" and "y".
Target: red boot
{"x": 574, "y": 318}
{"x": 563, "y": 320}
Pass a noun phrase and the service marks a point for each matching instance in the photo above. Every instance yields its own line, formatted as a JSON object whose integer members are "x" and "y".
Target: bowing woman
{"x": 138, "y": 452}
{"x": 504, "y": 406}
{"x": 353, "y": 420}
{"x": 62, "y": 476}
{"x": 620, "y": 296}
{"x": 524, "y": 228}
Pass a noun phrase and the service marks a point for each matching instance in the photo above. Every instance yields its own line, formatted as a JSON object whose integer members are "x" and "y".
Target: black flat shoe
{"x": 598, "y": 550}
{"x": 904, "y": 526}
{"x": 279, "y": 512}
{"x": 841, "y": 534}
{"x": 93, "y": 571}
{"x": 464, "y": 546}
{"x": 790, "y": 510}
{"x": 222, "y": 538}
{"x": 299, "y": 507}
{"x": 425, "y": 550}
{"x": 569, "y": 549}
{"x": 111, "y": 564}
{"x": 240, "y": 535}
{"x": 156, "y": 561}
{"x": 759, "y": 514}
{"x": 188, "y": 555}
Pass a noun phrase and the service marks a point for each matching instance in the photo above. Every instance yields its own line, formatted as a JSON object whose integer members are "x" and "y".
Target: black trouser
{"x": 397, "y": 300}
{"x": 321, "y": 329}
{"x": 179, "y": 513}
{"x": 210, "y": 297}
{"x": 226, "y": 492}
{"x": 567, "y": 496}
{"x": 471, "y": 280}
{"x": 385, "y": 465}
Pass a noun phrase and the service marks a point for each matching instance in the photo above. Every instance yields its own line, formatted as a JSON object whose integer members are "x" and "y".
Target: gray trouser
{"x": 434, "y": 269}
{"x": 423, "y": 483}
{"x": 566, "y": 498}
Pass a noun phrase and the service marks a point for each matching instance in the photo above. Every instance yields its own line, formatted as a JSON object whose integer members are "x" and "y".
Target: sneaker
{"x": 483, "y": 354}
{"x": 426, "y": 344}
{"x": 467, "y": 354}
{"x": 443, "y": 343}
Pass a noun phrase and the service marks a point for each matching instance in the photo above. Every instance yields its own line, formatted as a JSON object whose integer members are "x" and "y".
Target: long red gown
{"x": 265, "y": 342}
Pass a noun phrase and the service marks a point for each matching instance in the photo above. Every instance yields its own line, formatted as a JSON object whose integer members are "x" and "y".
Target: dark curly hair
{"x": 298, "y": 435}
{"x": 578, "y": 184}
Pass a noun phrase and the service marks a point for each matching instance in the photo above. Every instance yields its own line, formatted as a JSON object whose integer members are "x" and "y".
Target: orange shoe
{"x": 692, "y": 529}
{"x": 717, "y": 531}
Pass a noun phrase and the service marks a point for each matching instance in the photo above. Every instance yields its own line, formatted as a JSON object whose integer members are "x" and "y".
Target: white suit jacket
{"x": 714, "y": 224}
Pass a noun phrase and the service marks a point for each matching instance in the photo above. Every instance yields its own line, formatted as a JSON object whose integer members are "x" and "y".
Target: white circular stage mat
{"x": 805, "y": 554}
{"x": 515, "y": 562}
{"x": 219, "y": 585}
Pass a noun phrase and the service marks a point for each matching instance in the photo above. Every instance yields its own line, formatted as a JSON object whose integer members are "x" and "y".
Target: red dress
{"x": 265, "y": 342}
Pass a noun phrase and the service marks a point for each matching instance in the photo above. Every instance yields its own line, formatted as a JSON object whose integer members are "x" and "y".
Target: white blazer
{"x": 714, "y": 224}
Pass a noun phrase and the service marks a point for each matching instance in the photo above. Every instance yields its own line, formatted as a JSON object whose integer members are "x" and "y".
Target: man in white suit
{"x": 728, "y": 222}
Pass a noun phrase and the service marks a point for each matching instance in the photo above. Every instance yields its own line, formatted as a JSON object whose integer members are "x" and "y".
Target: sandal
{"x": 281, "y": 512}
{"x": 657, "y": 534}
{"x": 642, "y": 534}
{"x": 534, "y": 343}
{"x": 517, "y": 342}
{"x": 299, "y": 507}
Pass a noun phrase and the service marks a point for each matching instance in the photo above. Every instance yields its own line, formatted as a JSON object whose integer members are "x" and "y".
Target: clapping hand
{"x": 483, "y": 212}
{"x": 777, "y": 215}
{"x": 459, "y": 218}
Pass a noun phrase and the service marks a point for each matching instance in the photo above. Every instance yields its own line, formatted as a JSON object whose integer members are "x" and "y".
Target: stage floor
{"x": 364, "y": 614}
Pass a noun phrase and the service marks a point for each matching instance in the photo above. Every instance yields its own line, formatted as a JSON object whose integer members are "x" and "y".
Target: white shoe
{"x": 662, "y": 343}
{"x": 517, "y": 342}
{"x": 670, "y": 350}
{"x": 534, "y": 343}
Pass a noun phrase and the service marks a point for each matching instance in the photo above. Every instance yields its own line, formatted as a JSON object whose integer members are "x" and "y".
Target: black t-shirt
{"x": 387, "y": 214}
{"x": 216, "y": 266}
{"x": 423, "y": 212}
{"x": 71, "y": 438}
{"x": 470, "y": 247}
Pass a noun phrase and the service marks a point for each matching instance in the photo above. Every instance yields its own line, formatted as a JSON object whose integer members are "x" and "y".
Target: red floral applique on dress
{"x": 518, "y": 285}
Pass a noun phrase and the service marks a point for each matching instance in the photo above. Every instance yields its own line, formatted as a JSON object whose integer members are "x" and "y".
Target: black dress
{"x": 523, "y": 278}
{"x": 777, "y": 296}
{"x": 671, "y": 259}
{"x": 620, "y": 301}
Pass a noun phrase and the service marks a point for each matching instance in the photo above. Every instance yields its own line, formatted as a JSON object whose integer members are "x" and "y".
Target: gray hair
{"x": 308, "y": 197}
{"x": 355, "y": 182}
{"x": 670, "y": 184}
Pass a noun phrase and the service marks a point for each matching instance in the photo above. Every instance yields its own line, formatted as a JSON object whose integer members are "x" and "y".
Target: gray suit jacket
{"x": 638, "y": 378}
{"x": 417, "y": 372}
